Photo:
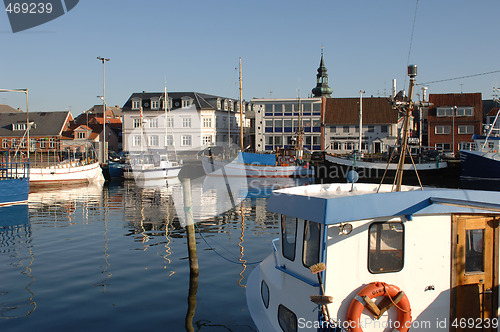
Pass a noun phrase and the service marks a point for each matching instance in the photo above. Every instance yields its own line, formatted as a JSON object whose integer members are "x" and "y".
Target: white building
{"x": 278, "y": 121}
{"x": 193, "y": 122}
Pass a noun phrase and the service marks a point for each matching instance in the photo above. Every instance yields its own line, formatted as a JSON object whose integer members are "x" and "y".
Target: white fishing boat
{"x": 282, "y": 164}
{"x": 439, "y": 247}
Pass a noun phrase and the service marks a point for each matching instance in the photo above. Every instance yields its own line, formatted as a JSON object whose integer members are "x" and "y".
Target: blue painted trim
{"x": 296, "y": 276}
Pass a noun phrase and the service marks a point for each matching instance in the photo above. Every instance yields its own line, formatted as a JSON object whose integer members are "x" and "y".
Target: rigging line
{"x": 218, "y": 254}
{"x": 461, "y": 77}
{"x": 411, "y": 38}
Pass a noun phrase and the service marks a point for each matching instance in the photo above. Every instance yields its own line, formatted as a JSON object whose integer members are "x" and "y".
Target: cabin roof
{"x": 335, "y": 203}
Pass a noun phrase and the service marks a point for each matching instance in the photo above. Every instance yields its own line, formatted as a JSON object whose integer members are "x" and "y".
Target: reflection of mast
{"x": 243, "y": 262}
{"x": 194, "y": 270}
{"x": 168, "y": 250}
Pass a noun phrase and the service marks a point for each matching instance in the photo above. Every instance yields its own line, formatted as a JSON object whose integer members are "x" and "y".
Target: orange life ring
{"x": 292, "y": 159}
{"x": 281, "y": 160}
{"x": 376, "y": 289}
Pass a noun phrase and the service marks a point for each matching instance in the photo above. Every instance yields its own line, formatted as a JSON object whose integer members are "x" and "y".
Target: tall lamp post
{"x": 104, "y": 155}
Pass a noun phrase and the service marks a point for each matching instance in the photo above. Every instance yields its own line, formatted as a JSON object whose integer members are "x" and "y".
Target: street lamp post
{"x": 104, "y": 155}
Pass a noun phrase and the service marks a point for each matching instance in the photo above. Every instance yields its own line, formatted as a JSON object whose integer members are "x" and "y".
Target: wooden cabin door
{"x": 474, "y": 295}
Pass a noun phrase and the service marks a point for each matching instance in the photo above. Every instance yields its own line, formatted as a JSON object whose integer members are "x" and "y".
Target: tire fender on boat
{"x": 390, "y": 293}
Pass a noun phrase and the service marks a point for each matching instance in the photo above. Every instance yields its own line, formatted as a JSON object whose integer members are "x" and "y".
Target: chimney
{"x": 394, "y": 91}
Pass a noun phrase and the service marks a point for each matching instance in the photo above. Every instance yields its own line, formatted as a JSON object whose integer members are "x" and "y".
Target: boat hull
{"x": 336, "y": 169}
{"x": 480, "y": 165}
{"x": 257, "y": 171}
{"x": 14, "y": 191}
{"x": 60, "y": 175}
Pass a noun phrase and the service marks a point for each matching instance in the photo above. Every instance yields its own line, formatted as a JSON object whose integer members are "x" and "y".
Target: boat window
{"x": 310, "y": 254}
{"x": 474, "y": 248}
{"x": 288, "y": 236}
{"x": 385, "y": 247}
{"x": 287, "y": 319}
{"x": 264, "y": 293}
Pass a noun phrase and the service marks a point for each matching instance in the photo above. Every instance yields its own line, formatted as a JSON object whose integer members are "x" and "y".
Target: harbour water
{"x": 114, "y": 257}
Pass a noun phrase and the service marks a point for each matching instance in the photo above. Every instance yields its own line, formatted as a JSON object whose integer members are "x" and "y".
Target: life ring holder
{"x": 393, "y": 296}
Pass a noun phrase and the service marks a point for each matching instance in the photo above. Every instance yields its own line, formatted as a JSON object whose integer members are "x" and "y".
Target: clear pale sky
{"x": 195, "y": 46}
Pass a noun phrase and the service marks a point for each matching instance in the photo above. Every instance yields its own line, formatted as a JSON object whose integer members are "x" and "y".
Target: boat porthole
{"x": 264, "y": 293}
{"x": 287, "y": 319}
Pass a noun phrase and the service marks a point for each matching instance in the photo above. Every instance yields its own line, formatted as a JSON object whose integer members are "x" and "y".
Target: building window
{"x": 186, "y": 122}
{"x": 371, "y": 129}
{"x": 346, "y": 129}
{"x": 137, "y": 122}
{"x": 384, "y": 129}
{"x": 19, "y": 126}
{"x": 14, "y": 143}
{"x": 153, "y": 122}
{"x": 186, "y": 102}
{"x": 207, "y": 122}
{"x": 153, "y": 140}
{"x": 5, "y": 143}
{"x": 136, "y": 104}
{"x": 218, "y": 104}
{"x": 225, "y": 104}
{"x": 155, "y": 104}
{"x": 207, "y": 139}
{"x": 385, "y": 247}
{"x": 310, "y": 251}
{"x": 170, "y": 122}
{"x": 444, "y": 111}
{"x": 80, "y": 135}
{"x": 137, "y": 140}
{"x": 23, "y": 142}
{"x": 32, "y": 144}
{"x": 336, "y": 146}
{"x": 288, "y": 236}
{"x": 186, "y": 140}
{"x": 466, "y": 129}
{"x": 464, "y": 111}
{"x": 350, "y": 146}
{"x": 443, "y": 146}
{"x": 170, "y": 140}
{"x": 52, "y": 143}
{"x": 269, "y": 140}
{"x": 442, "y": 130}
{"x": 42, "y": 143}
{"x": 278, "y": 140}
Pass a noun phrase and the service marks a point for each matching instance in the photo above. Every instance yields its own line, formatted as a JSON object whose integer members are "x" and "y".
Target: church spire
{"x": 322, "y": 89}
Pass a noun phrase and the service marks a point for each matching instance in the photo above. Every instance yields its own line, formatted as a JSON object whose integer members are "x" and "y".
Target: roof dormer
{"x": 136, "y": 103}
{"x": 186, "y": 101}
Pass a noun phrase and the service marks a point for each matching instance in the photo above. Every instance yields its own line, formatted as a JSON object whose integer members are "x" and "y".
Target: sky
{"x": 194, "y": 45}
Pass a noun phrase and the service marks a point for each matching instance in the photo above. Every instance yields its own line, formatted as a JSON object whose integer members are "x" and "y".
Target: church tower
{"x": 322, "y": 89}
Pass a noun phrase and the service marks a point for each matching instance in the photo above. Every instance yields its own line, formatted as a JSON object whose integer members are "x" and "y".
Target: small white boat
{"x": 147, "y": 167}
{"x": 67, "y": 172}
{"x": 438, "y": 247}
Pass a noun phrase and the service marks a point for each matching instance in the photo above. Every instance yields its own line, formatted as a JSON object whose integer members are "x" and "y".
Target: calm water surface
{"x": 115, "y": 258}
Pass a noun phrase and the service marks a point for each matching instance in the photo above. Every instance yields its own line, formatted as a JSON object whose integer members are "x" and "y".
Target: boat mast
{"x": 492, "y": 125}
{"x": 412, "y": 73}
{"x": 241, "y": 111}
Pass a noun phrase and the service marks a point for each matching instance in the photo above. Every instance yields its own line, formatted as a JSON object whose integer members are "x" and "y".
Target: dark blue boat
{"x": 14, "y": 182}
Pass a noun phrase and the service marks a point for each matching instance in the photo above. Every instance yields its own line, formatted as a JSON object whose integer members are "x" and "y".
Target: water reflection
{"x": 16, "y": 259}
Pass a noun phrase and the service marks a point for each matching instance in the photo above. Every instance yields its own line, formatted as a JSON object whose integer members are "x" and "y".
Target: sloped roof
{"x": 201, "y": 100}
{"x": 8, "y": 109}
{"x": 345, "y": 111}
{"x": 47, "y": 123}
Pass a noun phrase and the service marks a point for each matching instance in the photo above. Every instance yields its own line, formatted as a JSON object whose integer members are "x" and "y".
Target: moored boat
{"x": 481, "y": 160}
{"x": 66, "y": 172}
{"x": 433, "y": 253}
{"x": 14, "y": 182}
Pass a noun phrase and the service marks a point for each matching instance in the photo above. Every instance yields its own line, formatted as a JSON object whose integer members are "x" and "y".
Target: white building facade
{"x": 192, "y": 122}
{"x": 278, "y": 122}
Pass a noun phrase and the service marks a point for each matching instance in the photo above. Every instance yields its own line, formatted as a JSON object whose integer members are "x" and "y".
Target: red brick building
{"x": 452, "y": 119}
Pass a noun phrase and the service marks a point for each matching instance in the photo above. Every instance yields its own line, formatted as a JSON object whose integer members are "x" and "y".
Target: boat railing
{"x": 14, "y": 170}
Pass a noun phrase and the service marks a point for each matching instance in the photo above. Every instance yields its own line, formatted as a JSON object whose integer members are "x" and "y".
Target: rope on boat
{"x": 219, "y": 254}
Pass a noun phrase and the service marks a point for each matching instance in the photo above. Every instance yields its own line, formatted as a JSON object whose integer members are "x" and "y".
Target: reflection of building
{"x": 380, "y": 125}
{"x": 194, "y": 121}
{"x": 453, "y": 119}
